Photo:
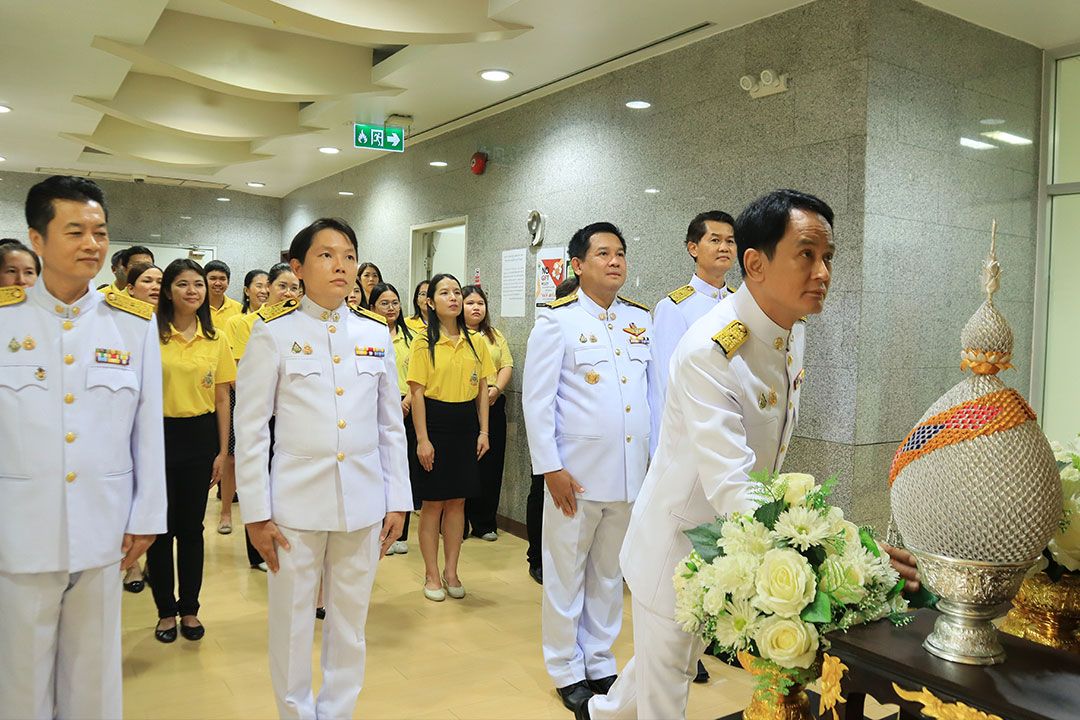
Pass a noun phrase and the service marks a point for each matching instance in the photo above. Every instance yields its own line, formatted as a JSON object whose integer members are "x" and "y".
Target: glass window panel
{"x": 1061, "y": 389}
{"x": 1067, "y": 121}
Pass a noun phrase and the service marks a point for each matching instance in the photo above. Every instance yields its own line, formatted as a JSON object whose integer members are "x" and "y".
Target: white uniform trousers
{"x": 583, "y": 593}
{"x": 346, "y": 562}
{"x": 655, "y": 684}
{"x": 60, "y": 644}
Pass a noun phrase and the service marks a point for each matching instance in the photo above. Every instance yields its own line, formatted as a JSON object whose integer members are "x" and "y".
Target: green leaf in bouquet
{"x": 818, "y": 498}
{"x": 1054, "y": 570}
{"x": 866, "y": 537}
{"x": 704, "y": 537}
{"x": 819, "y": 610}
{"x": 922, "y": 599}
{"x": 815, "y": 556}
{"x": 768, "y": 513}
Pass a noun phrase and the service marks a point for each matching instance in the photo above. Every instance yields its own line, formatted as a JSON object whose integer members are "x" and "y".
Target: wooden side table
{"x": 1034, "y": 683}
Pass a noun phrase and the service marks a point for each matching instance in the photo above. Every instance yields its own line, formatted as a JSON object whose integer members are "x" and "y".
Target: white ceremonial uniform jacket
{"x": 723, "y": 419}
{"x": 329, "y": 379}
{"x": 676, "y": 312}
{"x": 82, "y": 452}
{"x": 585, "y": 397}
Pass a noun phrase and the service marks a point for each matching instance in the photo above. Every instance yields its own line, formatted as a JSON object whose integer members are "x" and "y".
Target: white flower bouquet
{"x": 771, "y": 584}
{"x": 1063, "y": 551}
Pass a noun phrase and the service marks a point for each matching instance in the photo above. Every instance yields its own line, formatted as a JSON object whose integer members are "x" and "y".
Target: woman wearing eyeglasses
{"x": 384, "y": 300}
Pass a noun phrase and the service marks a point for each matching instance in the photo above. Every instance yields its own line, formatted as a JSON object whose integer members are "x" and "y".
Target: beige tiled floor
{"x": 476, "y": 658}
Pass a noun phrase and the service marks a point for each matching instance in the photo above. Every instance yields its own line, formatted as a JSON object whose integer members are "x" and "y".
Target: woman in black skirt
{"x": 448, "y": 374}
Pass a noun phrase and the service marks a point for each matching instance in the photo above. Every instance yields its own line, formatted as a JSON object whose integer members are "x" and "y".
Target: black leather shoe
{"x": 192, "y": 633}
{"x": 601, "y": 686}
{"x": 536, "y": 572}
{"x": 581, "y": 710}
{"x": 702, "y": 674}
{"x": 320, "y": 613}
{"x": 574, "y": 695}
{"x": 135, "y": 586}
{"x": 165, "y": 636}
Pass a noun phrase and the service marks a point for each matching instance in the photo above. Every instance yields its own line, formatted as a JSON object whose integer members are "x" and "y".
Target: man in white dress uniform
{"x": 585, "y": 403}
{"x": 710, "y": 241}
{"x": 82, "y": 463}
{"x": 732, "y": 404}
{"x": 337, "y": 491}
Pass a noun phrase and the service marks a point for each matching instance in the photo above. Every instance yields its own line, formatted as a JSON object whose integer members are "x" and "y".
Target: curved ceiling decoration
{"x": 186, "y": 110}
{"x": 247, "y": 61}
{"x": 124, "y": 139}
{"x": 386, "y": 22}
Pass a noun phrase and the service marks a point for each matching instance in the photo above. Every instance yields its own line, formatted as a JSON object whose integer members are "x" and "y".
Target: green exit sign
{"x": 377, "y": 137}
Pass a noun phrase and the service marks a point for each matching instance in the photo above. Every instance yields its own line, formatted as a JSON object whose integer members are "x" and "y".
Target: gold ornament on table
{"x": 832, "y": 672}
{"x": 1047, "y": 608}
{"x": 791, "y": 705}
{"x": 933, "y": 707}
{"x": 975, "y": 492}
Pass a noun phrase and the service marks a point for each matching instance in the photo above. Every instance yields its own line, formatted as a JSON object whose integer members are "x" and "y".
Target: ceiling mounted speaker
{"x": 537, "y": 221}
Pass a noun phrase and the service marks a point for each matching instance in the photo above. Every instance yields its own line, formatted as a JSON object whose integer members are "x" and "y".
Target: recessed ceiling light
{"x": 1006, "y": 137}
{"x": 346, "y": 193}
{"x": 224, "y": 199}
{"x": 329, "y": 150}
{"x": 4, "y": 109}
{"x": 256, "y": 184}
{"x": 638, "y": 104}
{"x": 992, "y": 121}
{"x": 185, "y": 217}
{"x": 155, "y": 234}
{"x": 976, "y": 144}
{"x": 2, "y": 158}
{"x": 495, "y": 75}
{"x": 651, "y": 191}
{"x": 437, "y": 163}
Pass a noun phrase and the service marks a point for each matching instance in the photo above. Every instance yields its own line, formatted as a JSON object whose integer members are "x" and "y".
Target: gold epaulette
{"x": 635, "y": 303}
{"x": 361, "y": 312}
{"x": 677, "y": 296}
{"x": 135, "y": 306}
{"x": 563, "y": 301}
{"x": 12, "y": 295}
{"x": 273, "y": 312}
{"x": 731, "y": 337}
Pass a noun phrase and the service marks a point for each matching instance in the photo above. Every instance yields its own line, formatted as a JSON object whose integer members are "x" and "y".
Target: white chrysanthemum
{"x": 1061, "y": 453}
{"x": 803, "y": 527}
{"x": 744, "y": 534}
{"x": 735, "y": 628}
{"x": 689, "y": 597}
{"x": 879, "y": 570}
{"x": 736, "y": 574}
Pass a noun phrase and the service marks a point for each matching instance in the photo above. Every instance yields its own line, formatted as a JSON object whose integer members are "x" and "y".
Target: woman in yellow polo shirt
{"x": 196, "y": 369}
{"x": 417, "y": 322}
{"x": 448, "y": 373}
{"x": 480, "y": 511}
{"x": 279, "y": 285}
{"x": 384, "y": 299}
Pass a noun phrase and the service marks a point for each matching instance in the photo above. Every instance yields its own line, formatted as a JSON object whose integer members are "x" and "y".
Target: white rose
{"x": 798, "y": 485}
{"x": 785, "y": 583}
{"x": 1065, "y": 545}
{"x": 790, "y": 643}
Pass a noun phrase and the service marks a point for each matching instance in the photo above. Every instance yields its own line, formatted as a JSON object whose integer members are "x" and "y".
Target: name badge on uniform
{"x": 112, "y": 357}
{"x": 370, "y": 351}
